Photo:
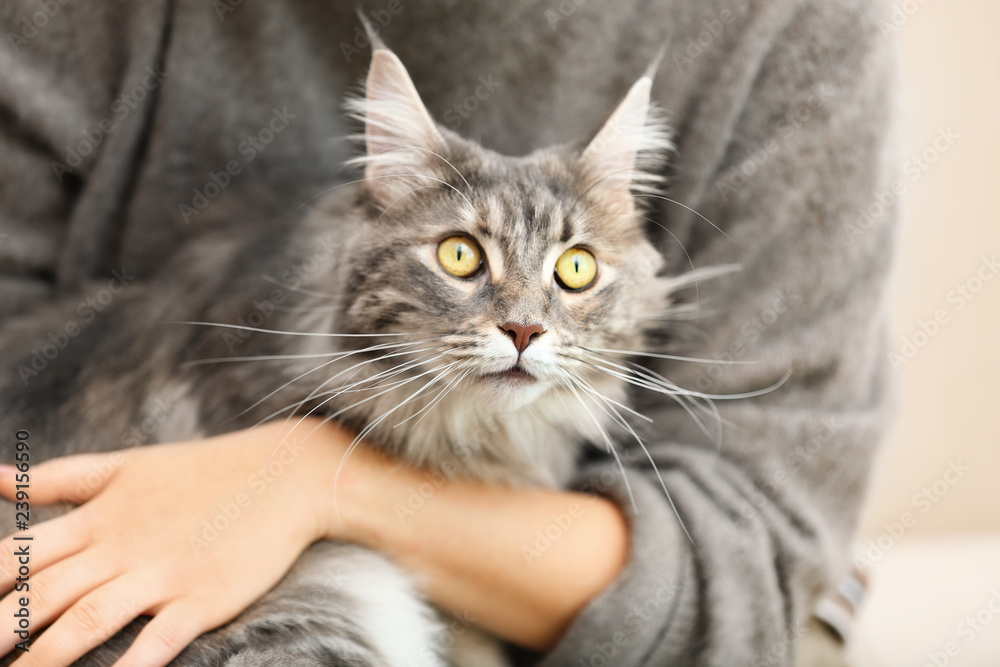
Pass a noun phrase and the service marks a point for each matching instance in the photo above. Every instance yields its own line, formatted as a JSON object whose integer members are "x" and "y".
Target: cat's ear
{"x": 400, "y": 136}
{"x": 624, "y": 155}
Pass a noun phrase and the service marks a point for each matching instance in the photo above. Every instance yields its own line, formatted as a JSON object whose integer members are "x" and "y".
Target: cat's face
{"x": 497, "y": 298}
{"x": 520, "y": 268}
{"x": 519, "y": 274}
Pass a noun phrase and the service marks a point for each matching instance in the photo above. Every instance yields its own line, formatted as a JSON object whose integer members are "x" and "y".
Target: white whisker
{"x": 336, "y": 414}
{"x": 440, "y": 396}
{"x": 300, "y": 333}
{"x": 333, "y": 394}
{"x": 614, "y": 414}
{"x": 367, "y": 158}
{"x": 296, "y": 288}
{"x": 607, "y": 441}
{"x": 374, "y": 424}
{"x": 672, "y": 357}
{"x": 680, "y": 396}
{"x": 410, "y": 192}
{"x": 381, "y": 376}
{"x": 674, "y": 201}
{"x": 455, "y": 169}
{"x": 683, "y": 249}
{"x": 699, "y": 394}
{"x": 306, "y": 309}
{"x": 395, "y": 370}
{"x": 344, "y": 185}
{"x": 262, "y": 357}
{"x": 324, "y": 365}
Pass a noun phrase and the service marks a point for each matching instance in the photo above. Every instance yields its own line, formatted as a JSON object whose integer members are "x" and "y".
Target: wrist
{"x": 303, "y": 457}
{"x": 352, "y": 497}
{"x": 368, "y": 504}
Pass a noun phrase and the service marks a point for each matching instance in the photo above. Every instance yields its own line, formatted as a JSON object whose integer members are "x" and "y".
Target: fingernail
{"x": 7, "y": 469}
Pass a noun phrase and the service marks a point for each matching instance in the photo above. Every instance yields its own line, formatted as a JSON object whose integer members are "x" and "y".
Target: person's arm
{"x": 519, "y": 562}
{"x": 136, "y": 545}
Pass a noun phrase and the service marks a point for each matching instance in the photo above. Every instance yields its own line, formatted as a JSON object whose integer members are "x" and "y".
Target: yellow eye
{"x": 460, "y": 256}
{"x": 576, "y": 269}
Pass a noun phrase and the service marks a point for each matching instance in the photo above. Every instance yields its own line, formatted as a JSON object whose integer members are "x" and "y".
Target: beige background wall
{"x": 949, "y": 405}
{"x": 941, "y": 569}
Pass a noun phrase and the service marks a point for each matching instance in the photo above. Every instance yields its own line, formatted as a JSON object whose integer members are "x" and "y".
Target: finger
{"x": 167, "y": 635}
{"x": 90, "y": 622}
{"x": 51, "y": 592}
{"x": 72, "y": 478}
{"x": 50, "y": 541}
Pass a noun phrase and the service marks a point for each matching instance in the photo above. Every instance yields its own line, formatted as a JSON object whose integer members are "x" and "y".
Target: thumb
{"x": 72, "y": 478}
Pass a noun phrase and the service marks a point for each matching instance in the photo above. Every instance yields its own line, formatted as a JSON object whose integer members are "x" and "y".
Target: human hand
{"x": 142, "y": 541}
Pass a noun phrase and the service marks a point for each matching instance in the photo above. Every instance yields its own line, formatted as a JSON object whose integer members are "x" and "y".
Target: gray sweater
{"x": 120, "y": 121}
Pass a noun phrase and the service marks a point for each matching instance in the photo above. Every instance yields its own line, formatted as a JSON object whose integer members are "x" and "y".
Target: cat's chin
{"x": 508, "y": 390}
{"x": 515, "y": 376}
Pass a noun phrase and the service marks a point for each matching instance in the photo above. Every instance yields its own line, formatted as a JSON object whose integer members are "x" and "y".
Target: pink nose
{"x": 522, "y": 334}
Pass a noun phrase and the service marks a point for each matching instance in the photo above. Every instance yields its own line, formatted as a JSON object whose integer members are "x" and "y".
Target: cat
{"x": 479, "y": 300}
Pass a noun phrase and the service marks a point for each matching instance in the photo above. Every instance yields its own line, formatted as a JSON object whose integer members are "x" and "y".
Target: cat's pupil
{"x": 458, "y": 253}
{"x": 576, "y": 264}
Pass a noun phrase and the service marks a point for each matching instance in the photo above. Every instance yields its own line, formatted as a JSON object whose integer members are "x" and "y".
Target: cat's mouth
{"x": 513, "y": 374}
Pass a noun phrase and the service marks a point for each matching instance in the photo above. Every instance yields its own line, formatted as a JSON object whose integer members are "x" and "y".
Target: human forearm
{"x": 520, "y": 562}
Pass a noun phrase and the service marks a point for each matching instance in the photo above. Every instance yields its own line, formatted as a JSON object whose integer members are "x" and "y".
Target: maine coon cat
{"x": 464, "y": 311}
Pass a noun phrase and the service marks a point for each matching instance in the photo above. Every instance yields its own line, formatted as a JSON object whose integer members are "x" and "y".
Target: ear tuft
{"x": 399, "y": 132}
{"x": 628, "y": 151}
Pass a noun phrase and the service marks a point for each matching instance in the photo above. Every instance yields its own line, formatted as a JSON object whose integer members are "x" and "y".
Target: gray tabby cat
{"x": 476, "y": 299}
